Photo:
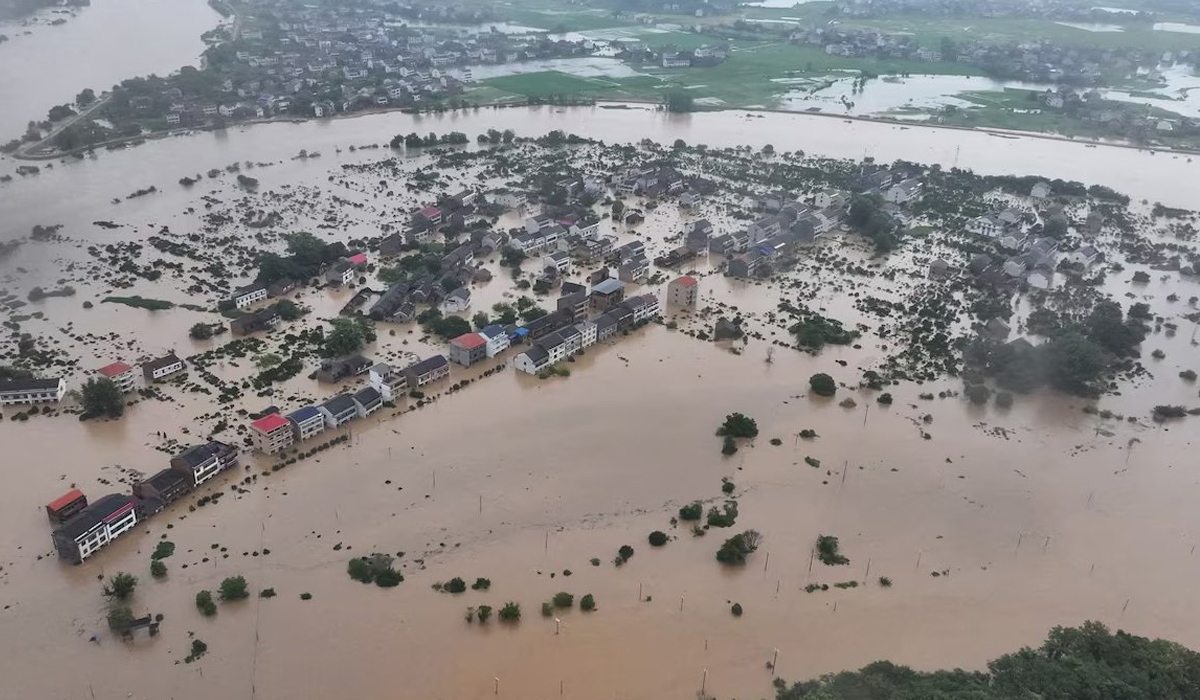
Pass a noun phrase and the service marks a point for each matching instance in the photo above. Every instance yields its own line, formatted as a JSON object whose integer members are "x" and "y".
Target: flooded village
{"x": 518, "y": 347}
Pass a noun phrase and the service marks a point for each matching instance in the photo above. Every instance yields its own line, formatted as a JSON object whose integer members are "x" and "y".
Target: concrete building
{"x": 162, "y": 367}
{"x": 338, "y": 411}
{"x": 250, "y": 294}
{"x": 496, "y": 340}
{"x": 367, "y": 401}
{"x": 120, "y": 374}
{"x": 388, "y": 381}
{"x": 94, "y": 527}
{"x": 532, "y": 360}
{"x": 15, "y": 391}
{"x": 202, "y": 462}
{"x": 428, "y": 370}
{"x": 683, "y": 292}
{"x": 271, "y": 433}
{"x": 607, "y": 294}
{"x": 468, "y": 348}
{"x": 306, "y": 422}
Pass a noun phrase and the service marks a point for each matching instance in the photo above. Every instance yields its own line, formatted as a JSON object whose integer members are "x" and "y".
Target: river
{"x": 1036, "y": 516}
{"x": 103, "y": 44}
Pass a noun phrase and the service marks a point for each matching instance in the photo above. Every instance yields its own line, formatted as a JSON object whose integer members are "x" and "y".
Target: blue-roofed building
{"x": 306, "y": 422}
{"x": 497, "y": 339}
{"x": 518, "y": 335}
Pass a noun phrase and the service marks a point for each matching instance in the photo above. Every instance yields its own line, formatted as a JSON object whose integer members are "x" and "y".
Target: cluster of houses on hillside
{"x": 81, "y": 529}
{"x": 704, "y": 56}
{"x": 52, "y": 389}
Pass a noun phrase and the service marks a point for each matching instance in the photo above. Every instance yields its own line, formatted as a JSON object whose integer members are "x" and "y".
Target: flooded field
{"x": 1032, "y": 516}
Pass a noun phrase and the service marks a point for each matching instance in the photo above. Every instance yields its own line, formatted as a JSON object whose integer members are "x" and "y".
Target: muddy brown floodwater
{"x": 1031, "y": 517}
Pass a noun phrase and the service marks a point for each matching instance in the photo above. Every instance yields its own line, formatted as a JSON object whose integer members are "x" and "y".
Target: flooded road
{"x": 1030, "y": 517}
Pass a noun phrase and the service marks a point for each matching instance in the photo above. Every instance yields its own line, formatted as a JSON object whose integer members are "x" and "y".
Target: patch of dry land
{"x": 991, "y": 523}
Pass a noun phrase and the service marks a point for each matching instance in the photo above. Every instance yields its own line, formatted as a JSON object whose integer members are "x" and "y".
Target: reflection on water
{"x": 1177, "y": 27}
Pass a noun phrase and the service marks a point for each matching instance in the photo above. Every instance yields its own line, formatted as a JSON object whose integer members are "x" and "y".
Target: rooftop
{"x": 303, "y": 414}
{"x": 164, "y": 361}
{"x": 68, "y": 497}
{"x": 269, "y": 423}
{"x": 608, "y": 286}
{"x": 114, "y": 369}
{"x": 339, "y": 404}
{"x": 470, "y": 341}
{"x": 428, "y": 364}
{"x": 686, "y": 281}
{"x": 28, "y": 384}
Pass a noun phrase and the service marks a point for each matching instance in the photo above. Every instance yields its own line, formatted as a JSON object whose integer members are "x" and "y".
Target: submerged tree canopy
{"x": 1074, "y": 663}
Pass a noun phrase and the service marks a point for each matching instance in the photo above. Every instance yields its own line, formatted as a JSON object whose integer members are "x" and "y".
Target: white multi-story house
{"x": 14, "y": 391}
{"x": 904, "y": 191}
{"x": 389, "y": 382}
{"x": 202, "y": 462}
{"x": 245, "y": 296}
{"x": 165, "y": 366}
{"x": 95, "y": 526}
{"x": 587, "y": 333}
{"x": 560, "y": 261}
{"x": 306, "y": 423}
{"x": 532, "y": 360}
{"x": 119, "y": 373}
{"x": 338, "y": 411}
{"x": 497, "y": 340}
{"x": 986, "y": 225}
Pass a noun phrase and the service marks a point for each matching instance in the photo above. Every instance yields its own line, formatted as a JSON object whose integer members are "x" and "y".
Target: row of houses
{"x": 52, "y": 389}
{"x": 82, "y": 529}
{"x": 274, "y": 431}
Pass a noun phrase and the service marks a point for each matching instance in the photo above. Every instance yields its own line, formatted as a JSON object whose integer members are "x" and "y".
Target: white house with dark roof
{"x": 338, "y": 411}
{"x": 367, "y": 401}
{"x": 16, "y": 391}
{"x": 250, "y": 294}
{"x": 162, "y": 367}
{"x": 532, "y": 360}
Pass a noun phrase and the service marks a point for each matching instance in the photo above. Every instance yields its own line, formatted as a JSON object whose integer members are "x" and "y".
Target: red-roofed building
{"x": 683, "y": 291}
{"x": 120, "y": 374}
{"x": 271, "y": 433}
{"x": 358, "y": 259}
{"x": 468, "y": 348}
{"x": 62, "y": 508}
{"x": 431, "y": 214}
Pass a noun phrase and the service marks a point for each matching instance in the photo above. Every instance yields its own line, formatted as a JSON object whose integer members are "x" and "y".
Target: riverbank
{"x": 610, "y": 104}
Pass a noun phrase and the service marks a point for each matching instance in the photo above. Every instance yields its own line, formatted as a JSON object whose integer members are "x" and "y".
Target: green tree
{"x": 205, "y": 604}
{"x": 822, "y": 384}
{"x": 120, "y": 618}
{"x": 201, "y": 331}
{"x": 233, "y": 588}
{"x": 120, "y": 586}
{"x": 288, "y": 309}
{"x": 739, "y": 426}
{"x": 483, "y": 613}
{"x": 679, "y": 101}
{"x": 1075, "y": 364}
{"x": 349, "y": 335}
{"x": 158, "y": 569}
{"x": 587, "y": 603}
{"x": 480, "y": 320}
{"x": 735, "y": 549}
{"x": 562, "y": 599}
{"x": 85, "y": 97}
{"x": 101, "y": 397}
{"x": 692, "y": 511}
{"x": 657, "y": 538}
{"x": 729, "y": 446}
{"x": 510, "y": 612}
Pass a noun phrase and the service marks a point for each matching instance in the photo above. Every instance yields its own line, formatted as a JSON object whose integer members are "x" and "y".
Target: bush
{"x": 360, "y": 570}
{"x": 205, "y": 604}
{"x": 625, "y": 552}
{"x": 547, "y": 609}
{"x": 157, "y": 568}
{"x": 201, "y": 331}
{"x": 233, "y": 588}
{"x": 562, "y": 599}
{"x": 483, "y": 613}
{"x": 1188, "y": 375}
{"x": 120, "y": 618}
{"x": 885, "y": 399}
{"x": 738, "y": 426}
{"x": 306, "y": 596}
{"x": 736, "y": 609}
{"x": 454, "y": 585}
{"x": 737, "y": 548}
{"x": 727, "y": 486}
{"x": 481, "y": 584}
{"x": 723, "y": 518}
{"x": 587, "y": 603}
{"x": 120, "y": 586}
{"x": 199, "y": 648}
{"x": 978, "y": 394}
{"x": 822, "y": 384}
{"x": 827, "y": 551}
{"x": 658, "y": 538}
{"x": 728, "y": 446}
{"x": 267, "y": 593}
{"x": 692, "y": 511}
{"x": 595, "y": 561}
{"x": 388, "y": 578}
{"x": 164, "y": 549}
{"x": 885, "y": 582}
{"x": 511, "y": 612}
